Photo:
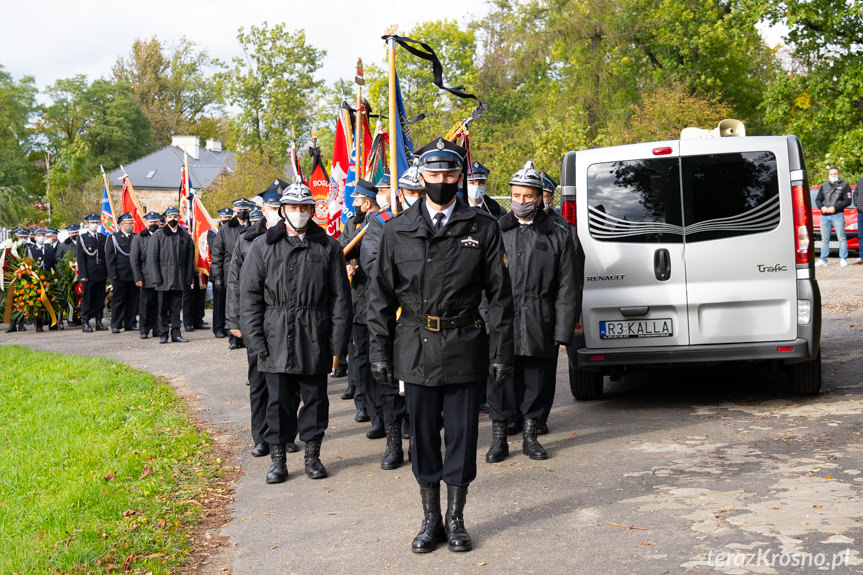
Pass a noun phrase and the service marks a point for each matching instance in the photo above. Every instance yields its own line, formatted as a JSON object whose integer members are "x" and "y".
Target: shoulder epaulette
{"x": 384, "y": 217}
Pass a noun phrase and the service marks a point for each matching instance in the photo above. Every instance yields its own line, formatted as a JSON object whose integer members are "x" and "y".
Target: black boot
{"x": 531, "y": 446}
{"x": 100, "y": 326}
{"x": 13, "y": 327}
{"x": 278, "y": 472}
{"x": 291, "y": 447}
{"x": 163, "y": 338}
{"x": 394, "y": 456}
{"x": 499, "y": 449}
{"x": 260, "y": 449}
{"x": 21, "y": 326}
{"x": 457, "y": 535}
{"x": 377, "y": 431}
{"x": 39, "y": 328}
{"x": 314, "y": 468}
{"x": 431, "y": 531}
{"x": 86, "y": 327}
{"x": 176, "y": 337}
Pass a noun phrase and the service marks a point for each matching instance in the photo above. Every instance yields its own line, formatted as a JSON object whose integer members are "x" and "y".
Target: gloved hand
{"x": 218, "y": 285}
{"x": 382, "y": 371}
{"x": 501, "y": 372}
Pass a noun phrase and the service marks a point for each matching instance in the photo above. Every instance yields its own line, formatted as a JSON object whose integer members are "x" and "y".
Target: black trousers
{"x": 149, "y": 311}
{"x": 219, "y": 310}
{"x": 193, "y": 303}
{"x": 360, "y": 373}
{"x": 258, "y": 398}
{"x": 169, "y": 311}
{"x": 393, "y": 405}
{"x": 526, "y": 395}
{"x": 124, "y": 304}
{"x": 94, "y": 300}
{"x": 549, "y": 388}
{"x": 455, "y": 409}
{"x": 283, "y": 421}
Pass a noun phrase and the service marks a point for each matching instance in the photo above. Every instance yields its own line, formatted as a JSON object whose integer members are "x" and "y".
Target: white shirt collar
{"x": 446, "y": 212}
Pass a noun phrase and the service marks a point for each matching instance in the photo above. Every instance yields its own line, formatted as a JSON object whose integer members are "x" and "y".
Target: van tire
{"x": 585, "y": 385}
{"x": 804, "y": 378}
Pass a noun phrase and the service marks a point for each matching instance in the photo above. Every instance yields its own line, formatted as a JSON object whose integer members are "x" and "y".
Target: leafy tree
{"x": 274, "y": 87}
{"x": 173, "y": 87}
{"x": 17, "y": 109}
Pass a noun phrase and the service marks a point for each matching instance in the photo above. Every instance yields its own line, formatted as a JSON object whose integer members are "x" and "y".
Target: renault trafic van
{"x": 698, "y": 252}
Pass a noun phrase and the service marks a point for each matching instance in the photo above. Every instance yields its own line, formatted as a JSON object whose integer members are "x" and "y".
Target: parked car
{"x": 850, "y": 225}
{"x": 698, "y": 252}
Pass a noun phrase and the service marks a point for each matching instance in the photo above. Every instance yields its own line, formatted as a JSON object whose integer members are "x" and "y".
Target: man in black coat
{"x": 149, "y": 301}
{"x": 92, "y": 272}
{"x": 40, "y": 252}
{"x": 434, "y": 262}
{"x": 67, "y": 245}
{"x": 365, "y": 391}
{"x": 225, "y": 215}
{"x": 295, "y": 315}
{"x": 171, "y": 262}
{"x": 118, "y": 256}
{"x": 477, "y": 184}
{"x": 220, "y": 259}
{"x": 52, "y": 246}
{"x": 542, "y": 267}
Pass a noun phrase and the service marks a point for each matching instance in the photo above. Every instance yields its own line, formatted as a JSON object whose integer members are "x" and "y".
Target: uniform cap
{"x": 278, "y": 186}
{"x": 364, "y": 189}
{"x": 38, "y": 231}
{"x": 255, "y": 215}
{"x": 527, "y": 176}
{"x": 171, "y": 212}
{"x": 51, "y": 232}
{"x": 410, "y": 180}
{"x": 92, "y": 219}
{"x": 477, "y": 172}
{"x": 272, "y": 198}
{"x": 548, "y": 185}
{"x": 152, "y": 217}
{"x": 127, "y": 217}
{"x": 384, "y": 182}
{"x": 226, "y": 212}
{"x": 441, "y": 155}
{"x": 298, "y": 194}
{"x": 243, "y": 204}
{"x": 22, "y": 233}
{"x": 73, "y": 228}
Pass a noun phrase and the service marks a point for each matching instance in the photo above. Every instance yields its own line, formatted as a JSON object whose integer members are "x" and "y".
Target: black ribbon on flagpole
{"x": 429, "y": 55}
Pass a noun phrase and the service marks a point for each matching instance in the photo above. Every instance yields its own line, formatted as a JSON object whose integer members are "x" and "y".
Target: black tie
{"x": 438, "y": 222}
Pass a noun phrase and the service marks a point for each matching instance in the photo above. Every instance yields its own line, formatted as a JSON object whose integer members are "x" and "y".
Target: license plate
{"x": 621, "y": 329}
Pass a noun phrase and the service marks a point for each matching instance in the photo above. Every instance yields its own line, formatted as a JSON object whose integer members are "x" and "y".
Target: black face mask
{"x": 153, "y": 227}
{"x": 173, "y": 223}
{"x": 441, "y": 192}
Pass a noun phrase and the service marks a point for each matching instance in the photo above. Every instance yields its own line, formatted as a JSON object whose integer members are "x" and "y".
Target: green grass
{"x": 77, "y": 436}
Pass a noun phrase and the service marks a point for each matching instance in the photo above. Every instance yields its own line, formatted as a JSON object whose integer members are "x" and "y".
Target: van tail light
{"x": 567, "y": 209}
{"x": 802, "y": 224}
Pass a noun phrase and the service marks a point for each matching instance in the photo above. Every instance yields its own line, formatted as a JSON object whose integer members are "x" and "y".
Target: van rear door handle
{"x": 662, "y": 264}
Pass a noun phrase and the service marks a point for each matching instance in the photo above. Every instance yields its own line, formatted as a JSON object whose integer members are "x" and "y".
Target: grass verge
{"x": 100, "y": 469}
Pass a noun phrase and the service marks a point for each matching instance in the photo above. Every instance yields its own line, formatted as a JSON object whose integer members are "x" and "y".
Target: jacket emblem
{"x": 469, "y": 242}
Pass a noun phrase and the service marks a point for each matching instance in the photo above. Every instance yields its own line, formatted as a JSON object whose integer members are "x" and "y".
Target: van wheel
{"x": 585, "y": 385}
{"x": 805, "y": 378}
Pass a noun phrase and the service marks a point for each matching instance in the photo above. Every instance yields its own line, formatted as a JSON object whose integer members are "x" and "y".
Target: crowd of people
{"x": 443, "y": 309}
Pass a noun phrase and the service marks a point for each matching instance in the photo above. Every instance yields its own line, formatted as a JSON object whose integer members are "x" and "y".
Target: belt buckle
{"x": 432, "y": 323}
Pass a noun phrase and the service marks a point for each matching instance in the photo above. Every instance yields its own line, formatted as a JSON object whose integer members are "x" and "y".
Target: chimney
{"x": 188, "y": 144}
{"x": 214, "y": 145}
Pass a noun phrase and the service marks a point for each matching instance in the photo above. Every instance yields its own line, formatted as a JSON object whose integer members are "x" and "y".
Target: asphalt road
{"x": 691, "y": 472}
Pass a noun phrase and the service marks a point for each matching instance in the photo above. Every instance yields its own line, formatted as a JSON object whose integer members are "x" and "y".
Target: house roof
{"x": 161, "y": 169}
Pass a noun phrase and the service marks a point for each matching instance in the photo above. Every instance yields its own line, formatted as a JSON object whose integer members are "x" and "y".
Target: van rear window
{"x": 635, "y": 201}
{"x": 693, "y": 199}
{"x": 727, "y": 195}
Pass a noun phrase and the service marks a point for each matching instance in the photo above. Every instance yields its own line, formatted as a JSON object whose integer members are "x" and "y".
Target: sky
{"x": 53, "y": 39}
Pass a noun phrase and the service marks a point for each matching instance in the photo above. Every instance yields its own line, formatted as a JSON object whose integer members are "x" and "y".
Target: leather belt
{"x": 435, "y": 323}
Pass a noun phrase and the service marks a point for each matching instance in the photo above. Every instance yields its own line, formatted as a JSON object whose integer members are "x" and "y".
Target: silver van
{"x": 698, "y": 252}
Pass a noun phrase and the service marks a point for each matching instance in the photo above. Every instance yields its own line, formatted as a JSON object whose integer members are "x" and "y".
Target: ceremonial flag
{"x": 350, "y": 185}
{"x": 404, "y": 139}
{"x": 202, "y": 226}
{"x": 186, "y": 194}
{"x": 335, "y": 201}
{"x": 129, "y": 203}
{"x": 108, "y": 226}
{"x": 344, "y": 140}
{"x": 298, "y": 176}
{"x": 319, "y": 184}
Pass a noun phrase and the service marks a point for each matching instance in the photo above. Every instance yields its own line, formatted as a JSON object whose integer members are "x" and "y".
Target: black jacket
{"x": 222, "y": 250}
{"x": 837, "y": 196}
{"x": 232, "y": 292}
{"x": 118, "y": 256}
{"x": 67, "y": 245}
{"x": 90, "y": 253}
{"x": 371, "y": 245}
{"x": 542, "y": 267}
{"x": 441, "y": 275}
{"x": 138, "y": 257}
{"x": 44, "y": 258}
{"x": 295, "y": 302}
{"x": 359, "y": 280}
{"x": 171, "y": 259}
{"x": 558, "y": 218}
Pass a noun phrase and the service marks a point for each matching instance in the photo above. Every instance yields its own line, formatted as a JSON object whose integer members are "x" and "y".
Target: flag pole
{"x": 394, "y": 165}
{"x": 108, "y": 190}
{"x": 360, "y": 140}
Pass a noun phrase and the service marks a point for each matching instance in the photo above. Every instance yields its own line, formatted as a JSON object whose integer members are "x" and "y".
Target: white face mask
{"x": 475, "y": 192}
{"x": 272, "y": 218}
{"x": 383, "y": 201}
{"x": 40, "y": 240}
{"x": 297, "y": 220}
{"x": 93, "y": 228}
{"x": 410, "y": 200}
